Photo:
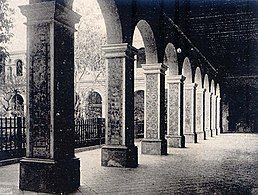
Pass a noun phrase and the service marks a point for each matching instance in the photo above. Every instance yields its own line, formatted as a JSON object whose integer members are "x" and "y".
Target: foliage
{"x": 89, "y": 38}
{"x": 6, "y": 25}
{"x": 14, "y": 85}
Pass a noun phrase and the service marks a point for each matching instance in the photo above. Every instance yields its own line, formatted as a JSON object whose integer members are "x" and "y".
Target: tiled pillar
{"x": 119, "y": 150}
{"x": 218, "y": 122}
{"x": 154, "y": 141}
{"x": 213, "y": 115}
{"x": 175, "y": 131}
{"x": 208, "y": 114}
{"x": 190, "y": 113}
{"x": 50, "y": 165}
{"x": 200, "y": 102}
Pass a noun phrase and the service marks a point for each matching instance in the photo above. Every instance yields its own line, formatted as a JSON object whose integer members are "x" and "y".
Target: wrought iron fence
{"x": 89, "y": 132}
{"x": 12, "y": 137}
{"x": 138, "y": 129}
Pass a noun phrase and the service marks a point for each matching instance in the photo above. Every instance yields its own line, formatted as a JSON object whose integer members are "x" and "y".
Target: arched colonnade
{"x": 193, "y": 103}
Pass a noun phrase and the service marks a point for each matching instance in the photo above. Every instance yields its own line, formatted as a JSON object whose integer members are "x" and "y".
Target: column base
{"x": 200, "y": 136}
{"x": 213, "y": 132}
{"x": 208, "y": 133}
{"x": 175, "y": 141}
{"x": 205, "y": 135}
{"x": 190, "y": 137}
{"x": 49, "y": 176}
{"x": 219, "y": 131}
{"x": 119, "y": 156}
{"x": 154, "y": 146}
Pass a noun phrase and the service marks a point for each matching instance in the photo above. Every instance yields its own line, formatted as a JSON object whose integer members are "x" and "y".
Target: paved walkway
{"x": 226, "y": 164}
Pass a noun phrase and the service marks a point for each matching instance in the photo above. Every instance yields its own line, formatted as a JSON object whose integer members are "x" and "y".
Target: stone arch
{"x": 212, "y": 87}
{"x": 218, "y": 90}
{"x": 111, "y": 17}
{"x": 170, "y": 59}
{"x": 149, "y": 42}
{"x": 198, "y": 77}
{"x": 206, "y": 82}
{"x": 187, "y": 70}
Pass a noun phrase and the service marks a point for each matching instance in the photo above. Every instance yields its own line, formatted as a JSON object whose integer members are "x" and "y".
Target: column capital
{"x": 175, "y": 79}
{"x": 119, "y": 50}
{"x": 191, "y": 86}
{"x": 157, "y": 68}
{"x": 49, "y": 11}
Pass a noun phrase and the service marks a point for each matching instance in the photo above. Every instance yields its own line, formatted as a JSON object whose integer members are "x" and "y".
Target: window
{"x": 19, "y": 68}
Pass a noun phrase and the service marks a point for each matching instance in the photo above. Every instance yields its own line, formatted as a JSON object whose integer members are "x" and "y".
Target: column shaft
{"x": 119, "y": 150}
{"x": 154, "y": 141}
{"x": 190, "y": 113}
{"x": 207, "y": 114}
{"x": 50, "y": 165}
{"x": 218, "y": 124}
{"x": 200, "y": 98}
{"x": 175, "y": 131}
{"x": 213, "y": 115}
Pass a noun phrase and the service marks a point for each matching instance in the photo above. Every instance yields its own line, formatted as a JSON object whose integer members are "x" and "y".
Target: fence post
{"x": 19, "y": 133}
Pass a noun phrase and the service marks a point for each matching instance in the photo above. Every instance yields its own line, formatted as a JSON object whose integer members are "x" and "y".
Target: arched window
{"x": 19, "y": 68}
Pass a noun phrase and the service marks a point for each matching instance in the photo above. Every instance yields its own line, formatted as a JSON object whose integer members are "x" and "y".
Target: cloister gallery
{"x": 194, "y": 105}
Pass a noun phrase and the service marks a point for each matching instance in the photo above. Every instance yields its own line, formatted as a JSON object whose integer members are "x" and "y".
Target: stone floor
{"x": 226, "y": 164}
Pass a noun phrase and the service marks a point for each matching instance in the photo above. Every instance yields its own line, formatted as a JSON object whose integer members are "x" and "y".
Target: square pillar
{"x": 154, "y": 141}
{"x": 119, "y": 150}
{"x": 200, "y": 98}
{"x": 190, "y": 113}
{"x": 175, "y": 136}
{"x": 208, "y": 114}
{"x": 213, "y": 115}
{"x": 50, "y": 165}
{"x": 218, "y": 121}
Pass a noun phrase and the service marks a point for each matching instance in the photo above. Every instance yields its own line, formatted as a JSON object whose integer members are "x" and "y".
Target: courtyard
{"x": 226, "y": 164}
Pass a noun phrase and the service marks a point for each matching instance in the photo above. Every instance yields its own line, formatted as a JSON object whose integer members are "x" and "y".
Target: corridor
{"x": 226, "y": 164}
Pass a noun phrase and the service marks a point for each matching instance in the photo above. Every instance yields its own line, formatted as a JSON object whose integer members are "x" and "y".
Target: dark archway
{"x": 139, "y": 114}
{"x": 93, "y": 105}
{"x": 17, "y": 105}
